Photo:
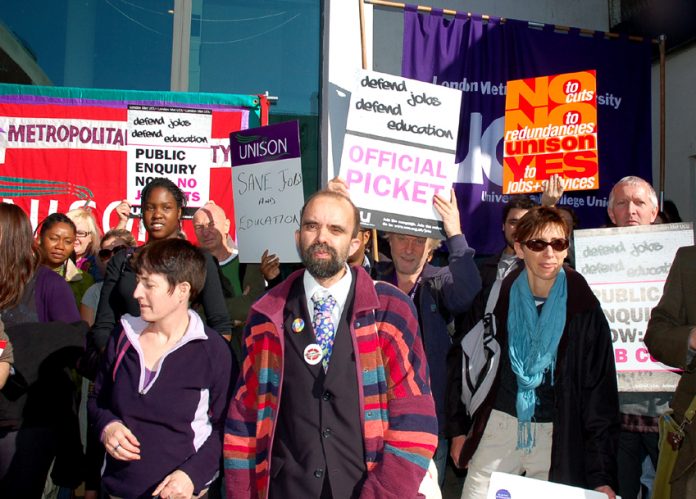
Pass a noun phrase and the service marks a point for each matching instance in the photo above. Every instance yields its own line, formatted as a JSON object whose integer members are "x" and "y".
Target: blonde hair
{"x": 85, "y": 214}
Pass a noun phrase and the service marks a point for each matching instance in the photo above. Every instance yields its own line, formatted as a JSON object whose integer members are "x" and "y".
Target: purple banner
{"x": 267, "y": 143}
{"x": 479, "y": 57}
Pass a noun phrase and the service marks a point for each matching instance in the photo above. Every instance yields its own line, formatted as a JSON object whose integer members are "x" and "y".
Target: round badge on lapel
{"x": 297, "y": 325}
{"x": 313, "y": 354}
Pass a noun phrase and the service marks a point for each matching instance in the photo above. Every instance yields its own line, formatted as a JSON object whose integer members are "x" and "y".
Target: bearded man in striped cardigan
{"x": 334, "y": 397}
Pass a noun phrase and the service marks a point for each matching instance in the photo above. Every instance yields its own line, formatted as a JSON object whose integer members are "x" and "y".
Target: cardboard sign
{"x": 169, "y": 142}
{"x": 626, "y": 268}
{"x": 398, "y": 152}
{"x": 551, "y": 127}
{"x": 506, "y": 486}
{"x": 268, "y": 190}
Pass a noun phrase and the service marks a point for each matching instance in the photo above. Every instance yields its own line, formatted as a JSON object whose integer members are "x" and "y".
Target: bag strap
{"x": 121, "y": 352}
{"x": 493, "y": 296}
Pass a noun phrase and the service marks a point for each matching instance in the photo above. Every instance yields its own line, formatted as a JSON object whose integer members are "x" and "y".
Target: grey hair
{"x": 633, "y": 180}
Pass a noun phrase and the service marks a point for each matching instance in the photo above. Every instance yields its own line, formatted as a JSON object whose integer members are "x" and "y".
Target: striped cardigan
{"x": 399, "y": 426}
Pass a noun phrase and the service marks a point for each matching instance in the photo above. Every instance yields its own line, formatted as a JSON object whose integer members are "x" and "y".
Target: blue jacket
{"x": 178, "y": 418}
{"x": 445, "y": 292}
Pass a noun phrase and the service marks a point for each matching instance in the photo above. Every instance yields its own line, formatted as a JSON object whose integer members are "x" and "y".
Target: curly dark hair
{"x": 164, "y": 183}
{"x": 53, "y": 219}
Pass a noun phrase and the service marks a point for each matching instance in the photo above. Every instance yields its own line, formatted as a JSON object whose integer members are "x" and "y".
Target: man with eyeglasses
{"x": 242, "y": 283}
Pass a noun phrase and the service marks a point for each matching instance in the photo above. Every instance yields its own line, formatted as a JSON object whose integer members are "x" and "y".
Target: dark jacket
{"x": 444, "y": 293}
{"x": 586, "y": 412}
{"x": 178, "y": 418}
{"x": 667, "y": 338}
{"x": 116, "y": 298}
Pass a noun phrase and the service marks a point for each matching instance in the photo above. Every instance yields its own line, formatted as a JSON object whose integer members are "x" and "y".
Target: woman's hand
{"x": 456, "y": 446}
{"x": 177, "y": 485}
{"x": 123, "y": 211}
{"x": 605, "y": 489}
{"x": 553, "y": 190}
{"x": 120, "y": 443}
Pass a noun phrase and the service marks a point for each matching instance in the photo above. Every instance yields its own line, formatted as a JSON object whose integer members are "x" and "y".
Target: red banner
{"x": 61, "y": 148}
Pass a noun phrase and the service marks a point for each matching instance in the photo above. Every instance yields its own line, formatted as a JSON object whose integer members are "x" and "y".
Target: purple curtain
{"x": 479, "y": 56}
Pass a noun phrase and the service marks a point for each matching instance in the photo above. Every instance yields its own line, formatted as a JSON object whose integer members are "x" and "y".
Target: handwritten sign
{"x": 169, "y": 142}
{"x": 268, "y": 190}
{"x": 551, "y": 127}
{"x": 398, "y": 151}
{"x": 626, "y": 269}
{"x": 508, "y": 486}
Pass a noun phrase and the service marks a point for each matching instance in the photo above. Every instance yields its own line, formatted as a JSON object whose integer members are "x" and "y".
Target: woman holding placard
{"x": 162, "y": 208}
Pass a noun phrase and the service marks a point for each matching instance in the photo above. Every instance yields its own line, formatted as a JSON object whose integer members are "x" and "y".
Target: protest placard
{"x": 267, "y": 189}
{"x": 626, "y": 267}
{"x": 170, "y": 142}
{"x": 398, "y": 151}
{"x": 551, "y": 127}
{"x": 508, "y": 486}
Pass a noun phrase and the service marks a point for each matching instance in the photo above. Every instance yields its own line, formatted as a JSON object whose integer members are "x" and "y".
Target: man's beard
{"x": 322, "y": 268}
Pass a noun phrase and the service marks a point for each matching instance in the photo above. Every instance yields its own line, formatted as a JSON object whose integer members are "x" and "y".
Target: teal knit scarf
{"x": 533, "y": 346}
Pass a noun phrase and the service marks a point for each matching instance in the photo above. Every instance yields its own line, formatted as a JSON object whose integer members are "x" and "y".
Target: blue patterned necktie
{"x": 323, "y": 324}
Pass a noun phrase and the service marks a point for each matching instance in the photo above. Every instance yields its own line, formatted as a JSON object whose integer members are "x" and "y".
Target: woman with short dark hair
{"x": 160, "y": 397}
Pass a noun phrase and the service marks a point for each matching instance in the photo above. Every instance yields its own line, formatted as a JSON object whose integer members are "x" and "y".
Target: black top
{"x": 116, "y": 298}
{"x": 506, "y": 399}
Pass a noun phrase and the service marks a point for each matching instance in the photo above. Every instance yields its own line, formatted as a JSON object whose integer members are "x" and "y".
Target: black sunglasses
{"x": 106, "y": 253}
{"x": 538, "y": 245}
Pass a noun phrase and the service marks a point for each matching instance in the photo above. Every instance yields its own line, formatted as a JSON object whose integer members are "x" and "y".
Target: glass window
{"x": 246, "y": 47}
{"x": 96, "y": 43}
{"x": 236, "y": 46}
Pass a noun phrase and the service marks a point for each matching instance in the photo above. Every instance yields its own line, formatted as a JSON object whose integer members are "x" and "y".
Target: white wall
{"x": 680, "y": 130}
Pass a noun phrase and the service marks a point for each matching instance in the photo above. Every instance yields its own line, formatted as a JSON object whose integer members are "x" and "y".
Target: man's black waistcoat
{"x": 318, "y": 445}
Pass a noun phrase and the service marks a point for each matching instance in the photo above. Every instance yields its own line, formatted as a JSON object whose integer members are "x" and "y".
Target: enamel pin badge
{"x": 313, "y": 354}
{"x": 297, "y": 325}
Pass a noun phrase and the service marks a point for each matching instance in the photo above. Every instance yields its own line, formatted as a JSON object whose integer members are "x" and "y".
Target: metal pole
{"x": 662, "y": 43}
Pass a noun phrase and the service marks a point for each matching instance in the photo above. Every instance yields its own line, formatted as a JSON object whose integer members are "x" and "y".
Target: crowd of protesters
{"x": 172, "y": 370}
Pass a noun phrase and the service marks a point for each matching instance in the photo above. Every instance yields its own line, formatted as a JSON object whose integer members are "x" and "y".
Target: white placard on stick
{"x": 399, "y": 151}
{"x": 268, "y": 190}
{"x": 626, "y": 267}
{"x": 169, "y": 142}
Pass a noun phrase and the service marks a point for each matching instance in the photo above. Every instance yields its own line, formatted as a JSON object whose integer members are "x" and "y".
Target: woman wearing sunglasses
{"x": 552, "y": 412}
{"x": 114, "y": 241}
